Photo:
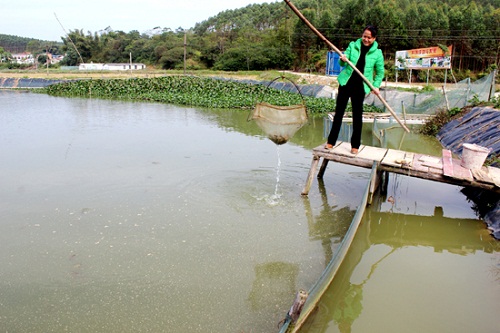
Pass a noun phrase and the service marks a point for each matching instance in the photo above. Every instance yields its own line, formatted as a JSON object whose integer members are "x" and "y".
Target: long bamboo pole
{"x": 330, "y": 44}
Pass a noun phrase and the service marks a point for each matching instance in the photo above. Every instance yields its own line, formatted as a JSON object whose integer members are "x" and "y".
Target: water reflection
{"x": 277, "y": 281}
{"x": 420, "y": 273}
{"x": 330, "y": 225}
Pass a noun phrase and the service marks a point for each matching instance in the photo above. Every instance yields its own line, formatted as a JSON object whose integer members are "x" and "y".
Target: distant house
{"x": 23, "y": 58}
{"x": 55, "y": 58}
{"x": 111, "y": 67}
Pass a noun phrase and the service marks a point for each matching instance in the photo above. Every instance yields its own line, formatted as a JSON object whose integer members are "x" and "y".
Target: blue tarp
{"x": 480, "y": 126}
{"x": 27, "y": 83}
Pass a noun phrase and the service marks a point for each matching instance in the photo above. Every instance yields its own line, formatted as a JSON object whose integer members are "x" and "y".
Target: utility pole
{"x": 47, "y": 55}
{"x": 492, "y": 87}
{"x": 185, "y": 45}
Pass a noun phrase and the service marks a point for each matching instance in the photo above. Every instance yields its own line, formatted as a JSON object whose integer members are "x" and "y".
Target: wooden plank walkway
{"x": 444, "y": 168}
{"x": 370, "y": 117}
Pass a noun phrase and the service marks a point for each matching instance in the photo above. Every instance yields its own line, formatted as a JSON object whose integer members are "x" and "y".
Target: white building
{"x": 111, "y": 67}
{"x": 23, "y": 58}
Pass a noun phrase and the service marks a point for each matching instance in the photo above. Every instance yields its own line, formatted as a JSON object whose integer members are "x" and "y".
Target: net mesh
{"x": 455, "y": 95}
{"x": 279, "y": 123}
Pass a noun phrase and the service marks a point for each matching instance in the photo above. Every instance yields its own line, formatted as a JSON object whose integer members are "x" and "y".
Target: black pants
{"x": 356, "y": 93}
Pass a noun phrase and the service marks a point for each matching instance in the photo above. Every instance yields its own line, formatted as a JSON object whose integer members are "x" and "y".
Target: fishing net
{"x": 280, "y": 123}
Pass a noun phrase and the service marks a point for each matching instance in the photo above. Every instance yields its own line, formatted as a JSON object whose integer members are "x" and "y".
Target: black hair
{"x": 372, "y": 29}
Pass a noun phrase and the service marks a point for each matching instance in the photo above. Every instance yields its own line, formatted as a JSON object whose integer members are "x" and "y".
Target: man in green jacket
{"x": 369, "y": 60}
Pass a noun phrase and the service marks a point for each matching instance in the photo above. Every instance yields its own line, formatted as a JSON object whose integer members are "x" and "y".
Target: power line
{"x": 382, "y": 37}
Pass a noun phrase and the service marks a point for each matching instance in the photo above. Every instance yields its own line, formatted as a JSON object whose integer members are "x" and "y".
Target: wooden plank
{"x": 322, "y": 148}
{"x": 447, "y": 163}
{"x": 460, "y": 172}
{"x": 429, "y": 159}
{"x": 443, "y": 169}
{"x": 482, "y": 175}
{"x": 393, "y": 158}
{"x": 418, "y": 165}
{"x": 344, "y": 149}
{"x": 347, "y": 159}
{"x": 433, "y": 169}
{"x": 494, "y": 174}
{"x": 432, "y": 161}
{"x": 372, "y": 153}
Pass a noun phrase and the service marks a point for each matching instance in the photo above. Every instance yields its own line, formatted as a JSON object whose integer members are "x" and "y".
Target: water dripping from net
{"x": 274, "y": 199}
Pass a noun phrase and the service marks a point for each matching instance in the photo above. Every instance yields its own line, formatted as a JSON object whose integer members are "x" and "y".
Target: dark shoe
{"x": 354, "y": 151}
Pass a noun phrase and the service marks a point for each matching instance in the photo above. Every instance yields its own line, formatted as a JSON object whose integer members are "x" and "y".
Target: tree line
{"x": 271, "y": 36}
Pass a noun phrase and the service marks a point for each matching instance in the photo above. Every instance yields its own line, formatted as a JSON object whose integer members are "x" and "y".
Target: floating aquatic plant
{"x": 192, "y": 91}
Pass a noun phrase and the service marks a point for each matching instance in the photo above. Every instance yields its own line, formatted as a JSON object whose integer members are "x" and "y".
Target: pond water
{"x": 142, "y": 217}
{"x": 420, "y": 262}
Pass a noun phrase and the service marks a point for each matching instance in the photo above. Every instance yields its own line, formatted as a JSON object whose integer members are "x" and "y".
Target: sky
{"x": 42, "y": 19}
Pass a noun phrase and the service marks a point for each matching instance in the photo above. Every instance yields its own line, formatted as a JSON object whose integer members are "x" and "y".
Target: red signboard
{"x": 425, "y": 58}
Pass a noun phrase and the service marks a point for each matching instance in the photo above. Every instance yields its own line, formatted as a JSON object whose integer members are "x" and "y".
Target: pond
{"x": 420, "y": 262}
{"x": 141, "y": 217}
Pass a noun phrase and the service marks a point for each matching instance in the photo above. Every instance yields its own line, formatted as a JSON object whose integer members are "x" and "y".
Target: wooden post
{"x": 446, "y": 99}
{"x": 385, "y": 183}
{"x": 492, "y": 87}
{"x": 403, "y": 109}
{"x": 374, "y": 182}
{"x": 445, "y": 77}
{"x": 310, "y": 176}
{"x": 322, "y": 168}
{"x": 468, "y": 90}
{"x": 130, "y": 67}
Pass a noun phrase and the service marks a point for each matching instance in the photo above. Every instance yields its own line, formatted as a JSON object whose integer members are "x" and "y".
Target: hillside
{"x": 270, "y": 36}
{"x": 16, "y": 44}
